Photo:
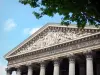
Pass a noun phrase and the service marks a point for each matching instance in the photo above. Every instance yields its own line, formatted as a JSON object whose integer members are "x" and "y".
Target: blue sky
{"x": 16, "y": 24}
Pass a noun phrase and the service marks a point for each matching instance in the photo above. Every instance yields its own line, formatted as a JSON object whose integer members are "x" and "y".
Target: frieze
{"x": 50, "y": 57}
{"x": 55, "y": 51}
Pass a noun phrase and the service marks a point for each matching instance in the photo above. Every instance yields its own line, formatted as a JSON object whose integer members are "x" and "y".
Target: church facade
{"x": 57, "y": 50}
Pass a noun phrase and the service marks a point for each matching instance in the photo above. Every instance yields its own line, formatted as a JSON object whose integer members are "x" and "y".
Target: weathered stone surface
{"x": 52, "y": 36}
{"x": 53, "y": 42}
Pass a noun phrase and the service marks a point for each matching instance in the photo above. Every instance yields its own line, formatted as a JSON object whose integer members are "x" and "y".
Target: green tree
{"x": 79, "y": 11}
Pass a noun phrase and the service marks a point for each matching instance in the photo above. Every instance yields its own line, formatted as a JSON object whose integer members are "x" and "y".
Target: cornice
{"x": 26, "y": 40}
{"x": 47, "y": 26}
{"x": 88, "y": 37}
{"x": 60, "y": 55}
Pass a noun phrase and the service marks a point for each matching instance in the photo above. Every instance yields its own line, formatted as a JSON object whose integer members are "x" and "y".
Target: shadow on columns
{"x": 64, "y": 66}
{"x": 36, "y": 69}
{"x": 49, "y": 68}
{"x": 24, "y": 70}
{"x": 97, "y": 63}
{"x": 80, "y": 64}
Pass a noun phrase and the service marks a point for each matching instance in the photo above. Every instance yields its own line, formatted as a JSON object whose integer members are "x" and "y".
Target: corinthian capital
{"x": 88, "y": 54}
{"x": 87, "y": 51}
{"x": 28, "y": 64}
{"x": 43, "y": 63}
{"x": 71, "y": 57}
{"x": 55, "y": 58}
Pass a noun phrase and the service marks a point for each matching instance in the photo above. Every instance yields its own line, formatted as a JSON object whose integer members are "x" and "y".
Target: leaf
{"x": 82, "y": 11}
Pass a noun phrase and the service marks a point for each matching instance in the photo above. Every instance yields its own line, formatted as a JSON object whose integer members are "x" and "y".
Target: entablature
{"x": 76, "y": 46}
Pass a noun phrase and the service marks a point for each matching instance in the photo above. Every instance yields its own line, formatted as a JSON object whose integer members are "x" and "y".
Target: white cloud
{"x": 30, "y": 31}
{"x": 9, "y": 25}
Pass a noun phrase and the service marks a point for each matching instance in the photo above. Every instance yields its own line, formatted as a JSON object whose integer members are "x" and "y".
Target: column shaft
{"x": 71, "y": 66}
{"x": 42, "y": 69}
{"x": 56, "y": 68}
{"x": 18, "y": 71}
{"x": 30, "y": 71}
{"x": 89, "y": 65}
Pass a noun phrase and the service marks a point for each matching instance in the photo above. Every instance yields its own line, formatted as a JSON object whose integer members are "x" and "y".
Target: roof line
{"x": 37, "y": 32}
{"x": 26, "y": 40}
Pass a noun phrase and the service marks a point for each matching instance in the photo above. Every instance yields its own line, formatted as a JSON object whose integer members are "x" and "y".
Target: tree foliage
{"x": 79, "y": 11}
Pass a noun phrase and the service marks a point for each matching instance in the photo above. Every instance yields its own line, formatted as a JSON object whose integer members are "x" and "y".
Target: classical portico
{"x": 57, "y": 50}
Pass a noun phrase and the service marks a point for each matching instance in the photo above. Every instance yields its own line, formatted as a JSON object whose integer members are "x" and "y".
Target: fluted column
{"x": 42, "y": 68}
{"x": 18, "y": 72}
{"x": 56, "y": 67}
{"x": 71, "y": 65}
{"x": 30, "y": 70}
{"x": 89, "y": 64}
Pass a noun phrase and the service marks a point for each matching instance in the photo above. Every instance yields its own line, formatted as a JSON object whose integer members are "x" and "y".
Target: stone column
{"x": 18, "y": 72}
{"x": 30, "y": 70}
{"x": 42, "y": 68}
{"x": 89, "y": 64}
{"x": 56, "y": 67}
{"x": 71, "y": 65}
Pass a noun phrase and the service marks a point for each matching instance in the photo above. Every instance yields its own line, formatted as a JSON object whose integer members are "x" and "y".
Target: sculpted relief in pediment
{"x": 51, "y": 38}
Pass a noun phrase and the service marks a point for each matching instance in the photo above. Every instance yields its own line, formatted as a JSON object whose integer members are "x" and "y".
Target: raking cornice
{"x": 50, "y": 25}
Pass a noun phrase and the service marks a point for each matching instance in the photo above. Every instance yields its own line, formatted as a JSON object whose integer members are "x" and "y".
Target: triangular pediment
{"x": 50, "y": 35}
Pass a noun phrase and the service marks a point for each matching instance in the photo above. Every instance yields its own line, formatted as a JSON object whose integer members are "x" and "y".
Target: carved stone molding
{"x": 55, "y": 51}
{"x": 29, "y": 64}
{"x": 67, "y": 44}
{"x": 56, "y": 62}
{"x": 49, "y": 57}
{"x": 52, "y": 52}
{"x": 43, "y": 63}
{"x": 51, "y": 36}
{"x": 88, "y": 54}
{"x": 71, "y": 57}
